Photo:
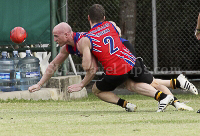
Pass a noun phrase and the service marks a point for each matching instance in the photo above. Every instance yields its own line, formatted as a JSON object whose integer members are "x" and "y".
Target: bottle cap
{"x": 15, "y": 52}
{"x": 4, "y": 53}
{"x": 28, "y": 51}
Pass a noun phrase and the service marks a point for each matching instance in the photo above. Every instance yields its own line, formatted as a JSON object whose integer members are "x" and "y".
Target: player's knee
{"x": 95, "y": 90}
{"x": 130, "y": 85}
{"x": 155, "y": 84}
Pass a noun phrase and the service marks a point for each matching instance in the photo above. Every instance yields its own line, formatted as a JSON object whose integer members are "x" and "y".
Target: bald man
{"x": 67, "y": 40}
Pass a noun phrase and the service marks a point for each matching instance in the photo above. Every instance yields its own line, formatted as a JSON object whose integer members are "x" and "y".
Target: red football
{"x": 18, "y": 35}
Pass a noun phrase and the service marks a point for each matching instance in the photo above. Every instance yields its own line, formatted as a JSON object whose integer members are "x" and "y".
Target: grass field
{"x": 93, "y": 117}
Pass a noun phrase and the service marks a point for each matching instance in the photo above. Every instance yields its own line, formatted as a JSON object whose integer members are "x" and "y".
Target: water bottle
{"x": 29, "y": 68}
{"x": 7, "y": 74}
{"x": 16, "y": 59}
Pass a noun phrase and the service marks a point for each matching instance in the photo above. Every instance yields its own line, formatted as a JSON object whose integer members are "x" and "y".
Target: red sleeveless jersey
{"x": 109, "y": 50}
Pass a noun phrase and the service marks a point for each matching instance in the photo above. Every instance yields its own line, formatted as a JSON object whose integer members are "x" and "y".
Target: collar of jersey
{"x": 97, "y": 24}
{"x": 75, "y": 39}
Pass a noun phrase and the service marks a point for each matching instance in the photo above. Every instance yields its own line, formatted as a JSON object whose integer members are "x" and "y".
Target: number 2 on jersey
{"x": 110, "y": 41}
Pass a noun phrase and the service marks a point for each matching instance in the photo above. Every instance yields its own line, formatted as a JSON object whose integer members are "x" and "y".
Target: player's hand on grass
{"x": 34, "y": 88}
{"x": 75, "y": 88}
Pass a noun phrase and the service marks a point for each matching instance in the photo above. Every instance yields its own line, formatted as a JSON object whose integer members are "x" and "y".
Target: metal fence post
{"x": 155, "y": 53}
{"x": 65, "y": 65}
{"x": 52, "y": 24}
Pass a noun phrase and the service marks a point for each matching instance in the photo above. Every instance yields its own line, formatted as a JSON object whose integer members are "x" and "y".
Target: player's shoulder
{"x": 83, "y": 42}
{"x": 84, "y": 39}
{"x": 112, "y": 22}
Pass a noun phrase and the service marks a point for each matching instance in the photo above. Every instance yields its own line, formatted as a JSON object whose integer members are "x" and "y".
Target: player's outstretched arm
{"x": 52, "y": 67}
{"x": 89, "y": 64}
{"x": 84, "y": 48}
{"x": 197, "y": 32}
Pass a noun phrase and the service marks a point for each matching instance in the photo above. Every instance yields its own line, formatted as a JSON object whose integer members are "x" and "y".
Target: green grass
{"x": 93, "y": 117}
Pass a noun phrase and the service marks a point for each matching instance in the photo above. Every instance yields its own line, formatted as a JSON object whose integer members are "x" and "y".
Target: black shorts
{"x": 138, "y": 74}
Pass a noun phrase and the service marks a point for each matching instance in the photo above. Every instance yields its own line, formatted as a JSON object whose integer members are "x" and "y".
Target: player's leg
{"x": 180, "y": 82}
{"x": 166, "y": 83}
{"x": 143, "y": 79}
{"x": 105, "y": 95}
{"x": 147, "y": 90}
{"x": 140, "y": 88}
{"x": 160, "y": 87}
{"x": 176, "y": 103}
{"x": 132, "y": 87}
{"x": 163, "y": 84}
{"x": 147, "y": 77}
{"x": 143, "y": 70}
{"x": 102, "y": 89}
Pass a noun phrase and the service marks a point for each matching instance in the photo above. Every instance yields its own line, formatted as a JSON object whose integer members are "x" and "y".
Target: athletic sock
{"x": 174, "y": 83}
{"x": 159, "y": 96}
{"x": 122, "y": 103}
{"x": 175, "y": 100}
{"x": 178, "y": 85}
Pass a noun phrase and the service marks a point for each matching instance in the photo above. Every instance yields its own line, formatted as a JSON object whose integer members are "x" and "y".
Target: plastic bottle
{"x": 29, "y": 68}
{"x": 7, "y": 74}
{"x": 16, "y": 59}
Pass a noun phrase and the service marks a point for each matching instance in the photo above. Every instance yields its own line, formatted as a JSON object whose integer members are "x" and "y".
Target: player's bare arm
{"x": 91, "y": 72}
{"x": 197, "y": 32}
{"x": 89, "y": 64}
{"x": 52, "y": 67}
{"x": 84, "y": 48}
{"x": 87, "y": 78}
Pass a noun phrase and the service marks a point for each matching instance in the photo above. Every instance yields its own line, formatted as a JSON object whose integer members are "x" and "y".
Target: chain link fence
{"x": 77, "y": 18}
{"x": 177, "y": 45}
{"x": 176, "y": 49}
